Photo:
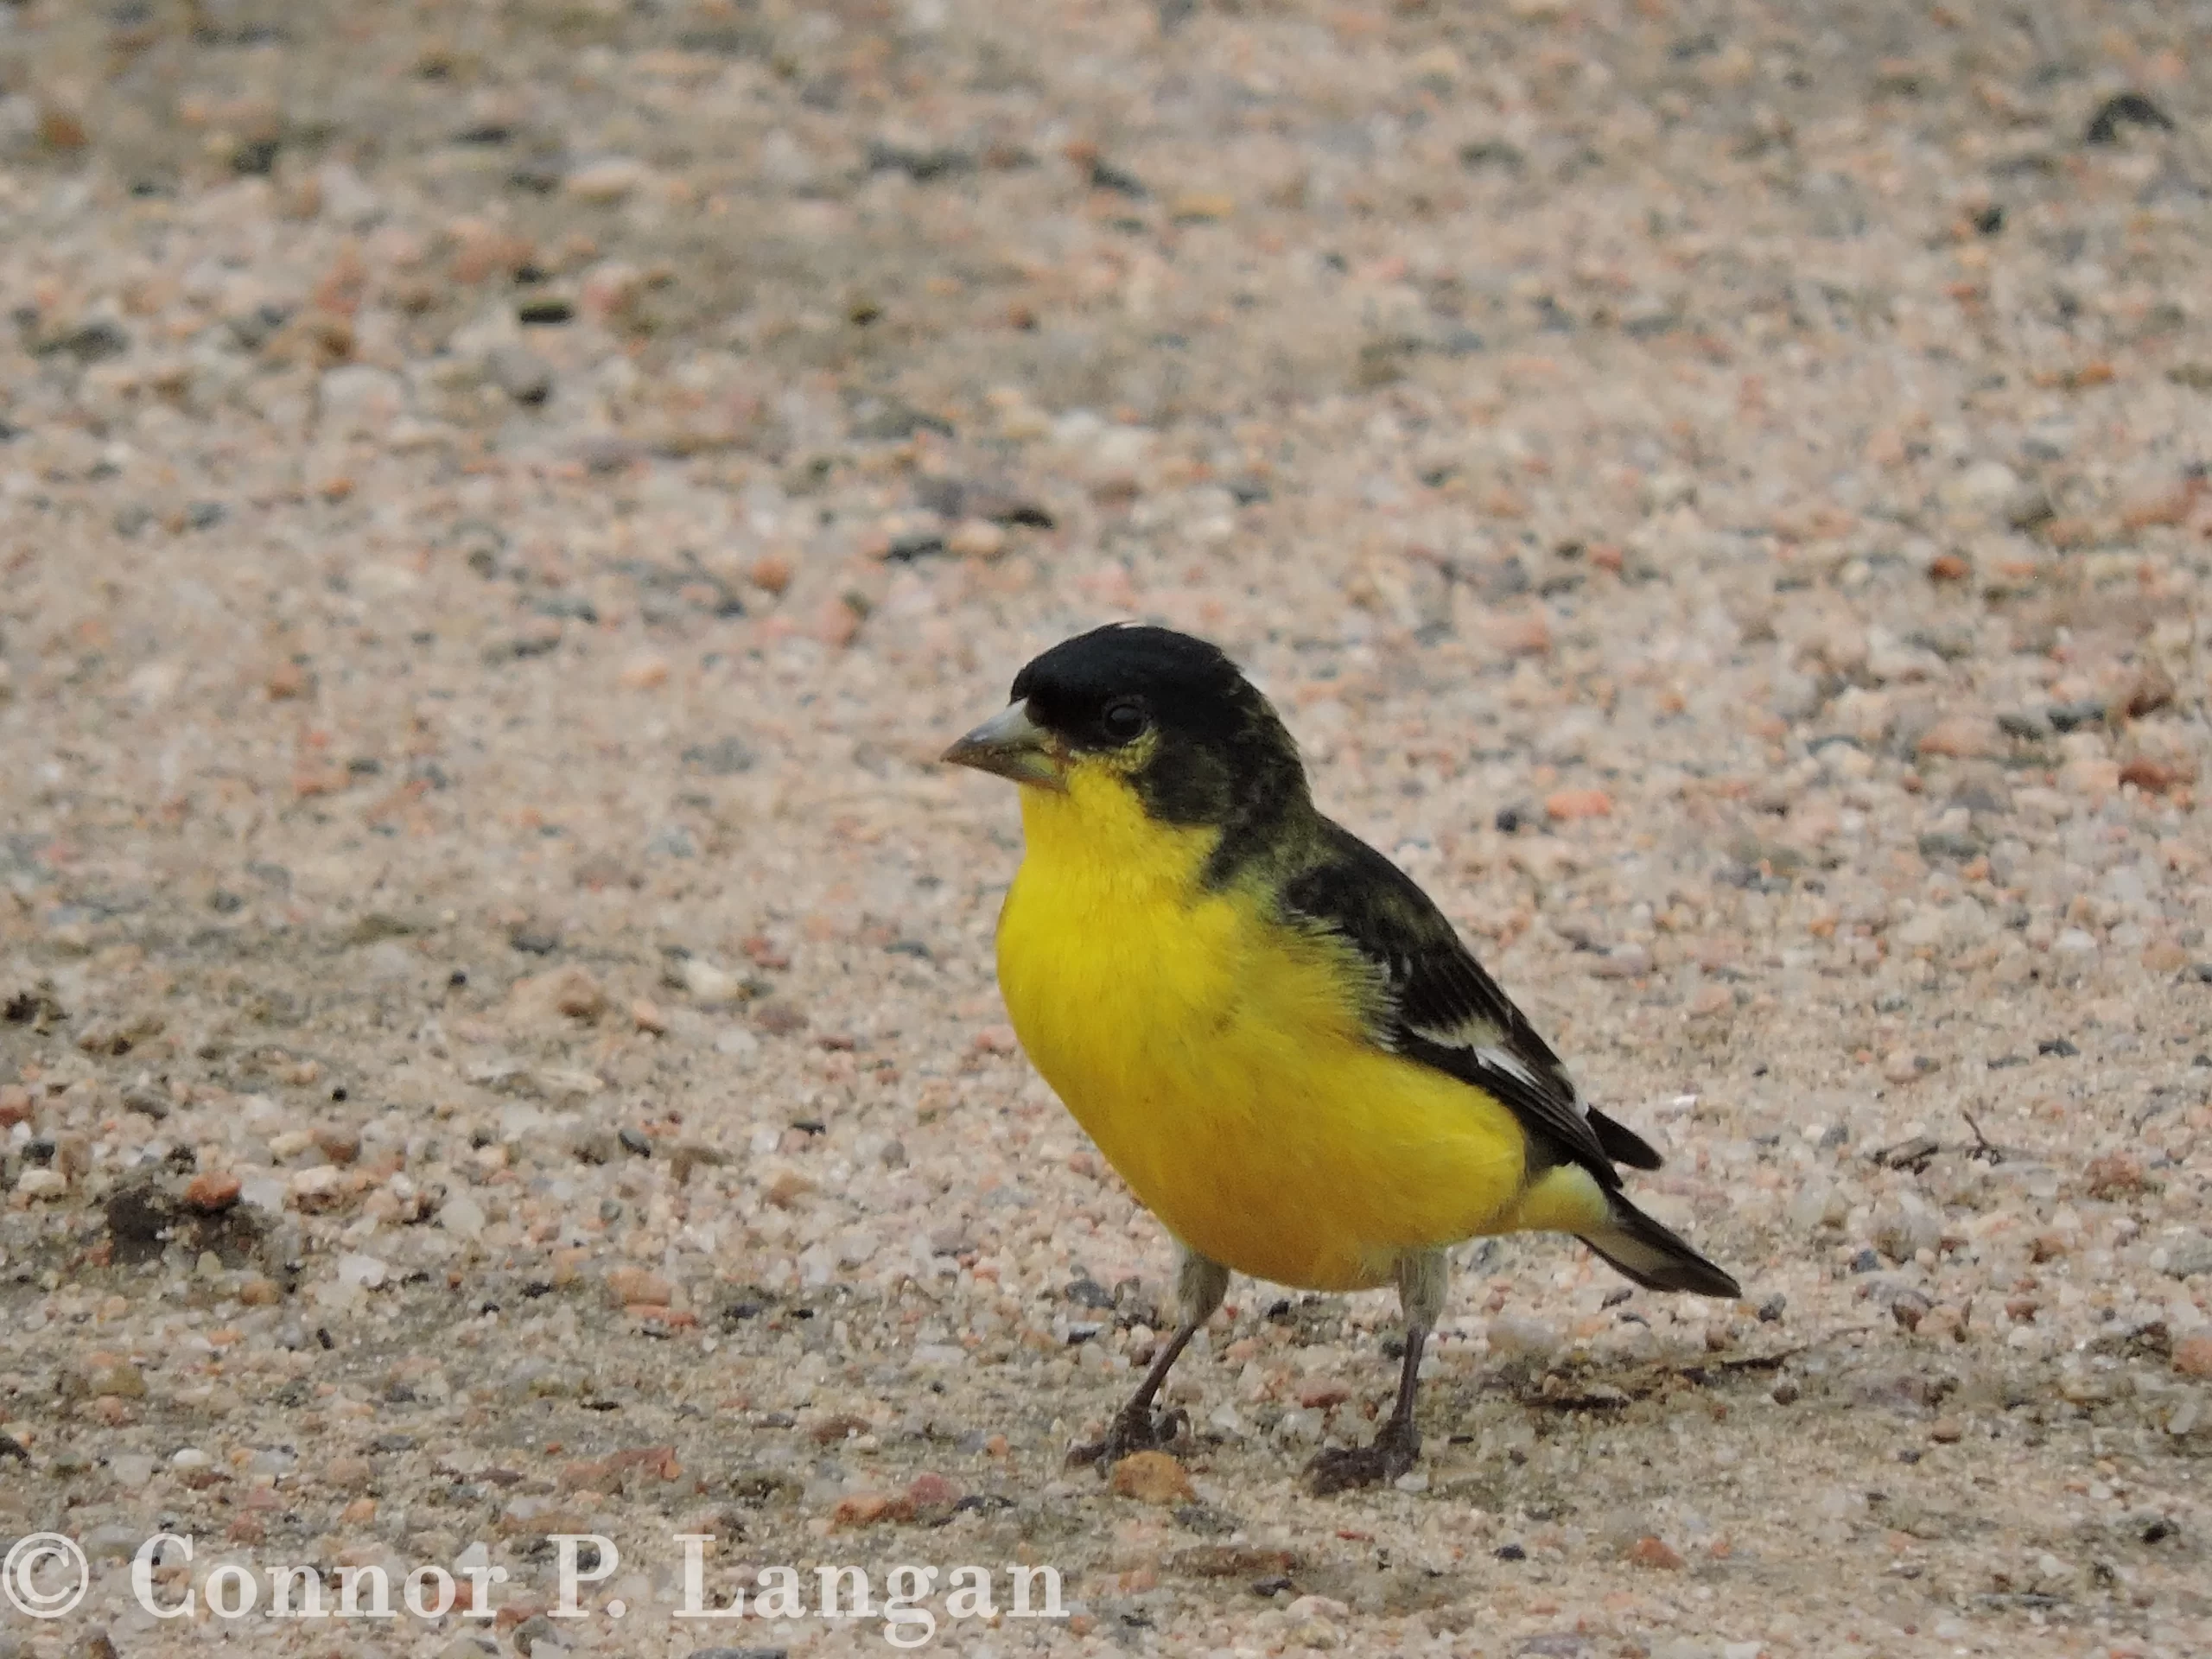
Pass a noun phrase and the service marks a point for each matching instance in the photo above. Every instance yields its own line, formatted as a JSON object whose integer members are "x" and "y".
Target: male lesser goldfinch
{"x": 1268, "y": 1029}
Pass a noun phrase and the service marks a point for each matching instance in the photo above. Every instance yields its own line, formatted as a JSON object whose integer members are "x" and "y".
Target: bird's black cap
{"x": 1120, "y": 660}
{"x": 1203, "y": 746}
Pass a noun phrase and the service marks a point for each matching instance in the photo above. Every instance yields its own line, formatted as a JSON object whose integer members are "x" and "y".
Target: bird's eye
{"x": 1123, "y": 719}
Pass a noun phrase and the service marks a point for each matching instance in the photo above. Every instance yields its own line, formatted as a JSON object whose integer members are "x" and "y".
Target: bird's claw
{"x": 1394, "y": 1452}
{"x": 1134, "y": 1428}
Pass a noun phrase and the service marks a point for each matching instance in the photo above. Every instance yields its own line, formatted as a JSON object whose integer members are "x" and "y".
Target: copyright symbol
{"x": 45, "y": 1574}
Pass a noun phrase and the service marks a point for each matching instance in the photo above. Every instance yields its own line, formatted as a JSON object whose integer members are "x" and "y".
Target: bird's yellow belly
{"x": 1218, "y": 1063}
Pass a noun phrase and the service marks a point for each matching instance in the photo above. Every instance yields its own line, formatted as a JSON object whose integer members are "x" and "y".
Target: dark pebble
{"x": 252, "y": 330}
{"x": 534, "y": 941}
{"x": 1273, "y": 1586}
{"x": 916, "y": 545}
{"x": 541, "y": 174}
{"x": 922, "y": 166}
{"x": 255, "y": 159}
{"x": 92, "y": 342}
{"x": 1866, "y": 1261}
{"x": 723, "y": 758}
{"x": 1771, "y": 1309}
{"x": 1206, "y": 1521}
{"x": 1089, "y": 1292}
{"x": 1105, "y": 176}
{"x": 2024, "y": 725}
{"x": 147, "y": 1101}
{"x": 2067, "y": 715}
{"x": 1490, "y": 152}
{"x": 1949, "y": 843}
{"x": 2123, "y": 109}
{"x": 635, "y": 1142}
{"x": 2057, "y": 1046}
{"x": 1511, "y": 1553}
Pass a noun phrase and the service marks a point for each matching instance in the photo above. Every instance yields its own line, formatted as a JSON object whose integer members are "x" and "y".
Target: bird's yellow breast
{"x": 1219, "y": 1058}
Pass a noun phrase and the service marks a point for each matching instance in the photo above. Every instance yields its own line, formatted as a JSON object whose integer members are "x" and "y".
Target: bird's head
{"x": 1157, "y": 713}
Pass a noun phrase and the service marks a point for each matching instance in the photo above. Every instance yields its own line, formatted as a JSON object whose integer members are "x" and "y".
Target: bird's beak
{"x": 1012, "y": 745}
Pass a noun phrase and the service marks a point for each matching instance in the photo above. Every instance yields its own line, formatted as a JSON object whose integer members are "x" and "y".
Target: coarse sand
{"x": 501, "y": 506}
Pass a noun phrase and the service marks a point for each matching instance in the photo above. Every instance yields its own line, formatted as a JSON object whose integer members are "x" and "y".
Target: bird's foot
{"x": 1134, "y": 1428}
{"x": 1396, "y": 1449}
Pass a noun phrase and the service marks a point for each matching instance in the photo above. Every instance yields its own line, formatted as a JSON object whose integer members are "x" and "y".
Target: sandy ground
{"x": 502, "y": 504}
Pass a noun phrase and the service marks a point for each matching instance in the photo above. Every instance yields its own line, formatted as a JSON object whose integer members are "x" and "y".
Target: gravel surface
{"x": 501, "y": 506}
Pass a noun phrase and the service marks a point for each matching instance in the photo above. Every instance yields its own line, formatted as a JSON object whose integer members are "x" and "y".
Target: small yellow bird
{"x": 1268, "y": 1028}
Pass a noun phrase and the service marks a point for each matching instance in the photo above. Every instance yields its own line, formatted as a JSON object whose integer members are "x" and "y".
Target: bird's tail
{"x": 1653, "y": 1255}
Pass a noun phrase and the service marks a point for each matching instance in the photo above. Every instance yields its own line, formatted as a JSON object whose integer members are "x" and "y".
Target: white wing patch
{"x": 1515, "y": 1067}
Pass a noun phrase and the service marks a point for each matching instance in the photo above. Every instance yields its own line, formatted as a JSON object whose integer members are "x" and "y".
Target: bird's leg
{"x": 1397, "y": 1445}
{"x": 1199, "y": 1285}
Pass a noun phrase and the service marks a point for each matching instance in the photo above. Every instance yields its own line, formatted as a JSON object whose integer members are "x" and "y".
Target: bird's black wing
{"x": 1438, "y": 1007}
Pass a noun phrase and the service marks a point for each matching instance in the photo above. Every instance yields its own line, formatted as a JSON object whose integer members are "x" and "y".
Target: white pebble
{"x": 367, "y": 1271}
{"x": 42, "y": 1184}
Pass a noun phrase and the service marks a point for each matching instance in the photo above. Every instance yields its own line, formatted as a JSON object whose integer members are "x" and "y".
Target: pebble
{"x": 709, "y": 986}
{"x": 1901, "y": 1065}
{"x": 1565, "y": 805}
{"x": 1655, "y": 1552}
{"x": 1152, "y": 1478}
{"x": 1905, "y": 1224}
{"x": 521, "y": 373}
{"x": 368, "y": 1272}
{"x": 2190, "y": 1257}
{"x": 634, "y": 1286}
{"x": 1729, "y": 608}
{"x": 567, "y": 993}
{"x": 116, "y": 1378}
{"x": 2193, "y": 1356}
{"x": 607, "y": 181}
{"x": 977, "y": 538}
{"x": 1523, "y": 1336}
{"x": 317, "y": 1187}
{"x": 1961, "y": 737}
